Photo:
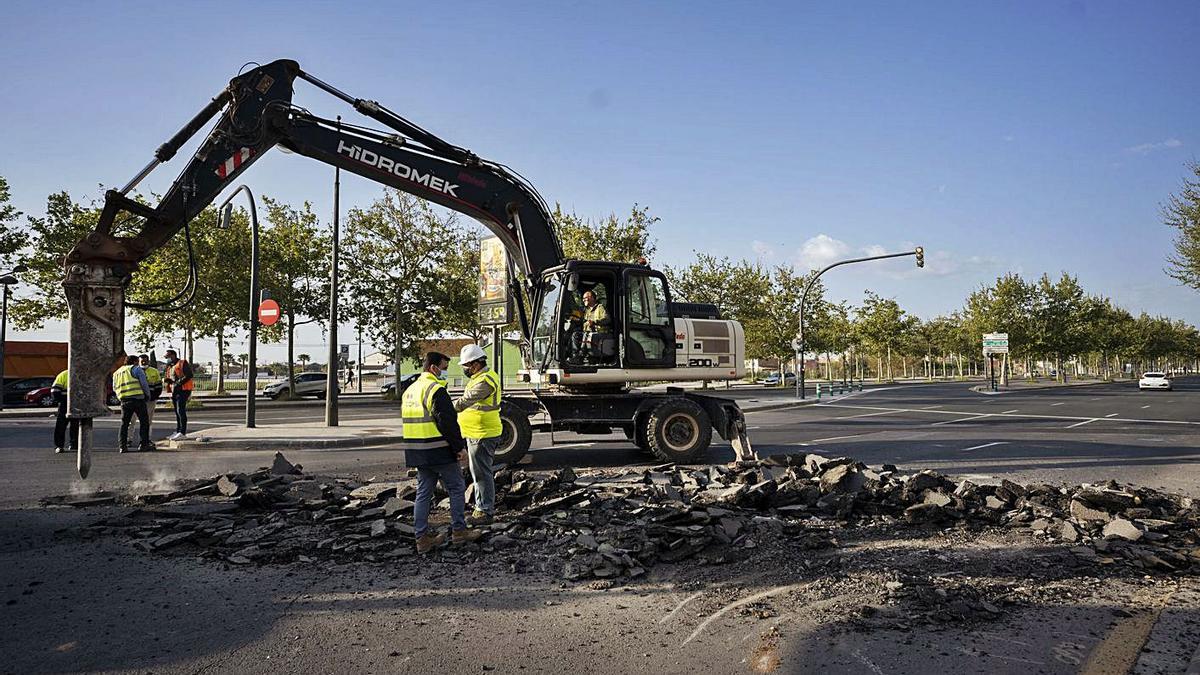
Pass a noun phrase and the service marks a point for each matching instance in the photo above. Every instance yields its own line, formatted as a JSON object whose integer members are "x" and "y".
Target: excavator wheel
{"x": 678, "y": 430}
{"x": 516, "y": 436}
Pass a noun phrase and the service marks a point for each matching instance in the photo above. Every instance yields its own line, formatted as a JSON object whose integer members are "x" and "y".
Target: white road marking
{"x": 1009, "y": 412}
{"x": 961, "y": 419}
{"x": 1021, "y": 415}
{"x": 1059, "y": 403}
{"x": 834, "y": 438}
{"x": 931, "y": 407}
{"x": 985, "y": 445}
{"x": 1079, "y": 424}
{"x": 873, "y": 414}
{"x": 1145, "y": 406}
{"x": 1112, "y": 414}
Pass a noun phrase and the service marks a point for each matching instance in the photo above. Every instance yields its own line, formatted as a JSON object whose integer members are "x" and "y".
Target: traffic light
{"x": 920, "y": 251}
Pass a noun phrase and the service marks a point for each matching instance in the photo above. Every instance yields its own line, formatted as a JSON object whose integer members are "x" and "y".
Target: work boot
{"x": 465, "y": 536}
{"x": 479, "y": 517}
{"x": 429, "y": 541}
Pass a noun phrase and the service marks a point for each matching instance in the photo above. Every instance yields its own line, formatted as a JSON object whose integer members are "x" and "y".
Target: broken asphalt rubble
{"x": 606, "y": 524}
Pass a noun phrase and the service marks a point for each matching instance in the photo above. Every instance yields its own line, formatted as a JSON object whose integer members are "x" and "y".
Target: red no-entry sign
{"x": 268, "y": 312}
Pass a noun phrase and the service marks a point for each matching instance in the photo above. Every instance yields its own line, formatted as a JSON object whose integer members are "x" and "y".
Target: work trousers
{"x": 150, "y": 406}
{"x": 179, "y": 400}
{"x": 60, "y": 426}
{"x": 452, "y": 480}
{"x": 129, "y": 408}
{"x": 481, "y": 452}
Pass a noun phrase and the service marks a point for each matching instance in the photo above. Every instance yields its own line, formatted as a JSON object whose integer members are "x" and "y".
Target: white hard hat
{"x": 471, "y": 353}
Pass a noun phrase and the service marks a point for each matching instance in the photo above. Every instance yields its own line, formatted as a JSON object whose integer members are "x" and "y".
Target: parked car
{"x": 405, "y": 381}
{"x": 15, "y": 391}
{"x": 1154, "y": 380}
{"x": 772, "y": 380}
{"x": 307, "y": 384}
{"x": 42, "y": 396}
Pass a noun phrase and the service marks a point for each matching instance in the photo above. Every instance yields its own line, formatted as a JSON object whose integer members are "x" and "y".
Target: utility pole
{"x": 331, "y": 376}
{"x": 358, "y": 363}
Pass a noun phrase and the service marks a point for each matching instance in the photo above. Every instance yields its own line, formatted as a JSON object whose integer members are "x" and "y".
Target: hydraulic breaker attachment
{"x": 737, "y": 436}
{"x": 96, "y": 302}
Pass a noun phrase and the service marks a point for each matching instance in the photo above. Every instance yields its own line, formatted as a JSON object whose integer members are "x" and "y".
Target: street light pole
{"x": 7, "y": 280}
{"x": 226, "y": 210}
{"x": 919, "y": 252}
{"x": 331, "y": 378}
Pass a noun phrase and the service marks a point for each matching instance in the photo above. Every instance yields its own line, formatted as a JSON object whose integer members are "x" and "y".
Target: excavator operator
{"x": 587, "y": 344}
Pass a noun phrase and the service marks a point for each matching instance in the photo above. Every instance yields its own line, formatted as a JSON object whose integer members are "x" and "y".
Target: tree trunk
{"x": 221, "y": 362}
{"x": 396, "y": 356}
{"x": 889, "y": 363}
{"x": 189, "y": 345}
{"x": 291, "y": 360}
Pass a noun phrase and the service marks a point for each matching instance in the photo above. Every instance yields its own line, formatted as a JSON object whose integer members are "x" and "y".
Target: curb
{"x": 286, "y": 443}
{"x": 982, "y": 388}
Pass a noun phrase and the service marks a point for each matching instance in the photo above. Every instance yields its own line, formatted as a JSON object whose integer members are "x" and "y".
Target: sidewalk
{"x": 365, "y": 433}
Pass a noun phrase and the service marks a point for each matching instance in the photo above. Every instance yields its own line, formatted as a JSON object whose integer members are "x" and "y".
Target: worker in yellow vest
{"x": 132, "y": 390}
{"x": 479, "y": 418}
{"x": 61, "y": 442}
{"x": 434, "y": 446}
{"x": 154, "y": 378}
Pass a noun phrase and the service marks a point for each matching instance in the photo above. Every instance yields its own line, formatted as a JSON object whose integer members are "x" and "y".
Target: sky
{"x": 1031, "y": 137}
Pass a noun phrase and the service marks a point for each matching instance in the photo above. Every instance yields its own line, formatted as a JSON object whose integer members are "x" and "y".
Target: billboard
{"x": 495, "y": 305}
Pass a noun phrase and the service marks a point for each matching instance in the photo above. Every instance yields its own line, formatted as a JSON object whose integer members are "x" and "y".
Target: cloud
{"x": 1147, "y": 148}
{"x": 762, "y": 249}
{"x": 821, "y": 250}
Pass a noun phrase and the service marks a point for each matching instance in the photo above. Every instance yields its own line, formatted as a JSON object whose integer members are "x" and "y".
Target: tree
{"x": 883, "y": 325}
{"x": 395, "y": 254}
{"x": 769, "y": 334}
{"x": 51, "y": 237}
{"x": 295, "y": 269}
{"x": 1182, "y": 212}
{"x": 11, "y": 239}
{"x": 1058, "y": 319}
{"x": 222, "y": 295}
{"x": 610, "y": 239}
{"x": 737, "y": 289}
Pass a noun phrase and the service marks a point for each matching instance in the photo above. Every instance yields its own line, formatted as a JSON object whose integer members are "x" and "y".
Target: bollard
{"x": 818, "y": 391}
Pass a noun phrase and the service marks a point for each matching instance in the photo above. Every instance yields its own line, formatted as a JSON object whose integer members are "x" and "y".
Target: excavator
{"x": 579, "y": 375}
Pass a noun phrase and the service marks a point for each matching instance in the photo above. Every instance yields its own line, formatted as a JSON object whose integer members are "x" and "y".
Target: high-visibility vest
{"x": 177, "y": 374}
{"x": 60, "y": 382}
{"x": 416, "y": 413}
{"x": 482, "y": 419}
{"x": 126, "y": 385}
{"x": 153, "y": 376}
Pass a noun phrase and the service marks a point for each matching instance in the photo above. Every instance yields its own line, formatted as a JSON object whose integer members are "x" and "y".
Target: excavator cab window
{"x": 543, "y": 330}
{"x": 589, "y": 331}
{"x": 649, "y": 327}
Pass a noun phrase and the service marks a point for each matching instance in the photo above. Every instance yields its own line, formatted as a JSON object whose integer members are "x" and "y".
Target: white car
{"x": 1154, "y": 381}
{"x": 307, "y": 384}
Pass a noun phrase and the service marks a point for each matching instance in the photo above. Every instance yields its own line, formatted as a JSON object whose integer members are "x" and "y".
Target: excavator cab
{"x": 598, "y": 322}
